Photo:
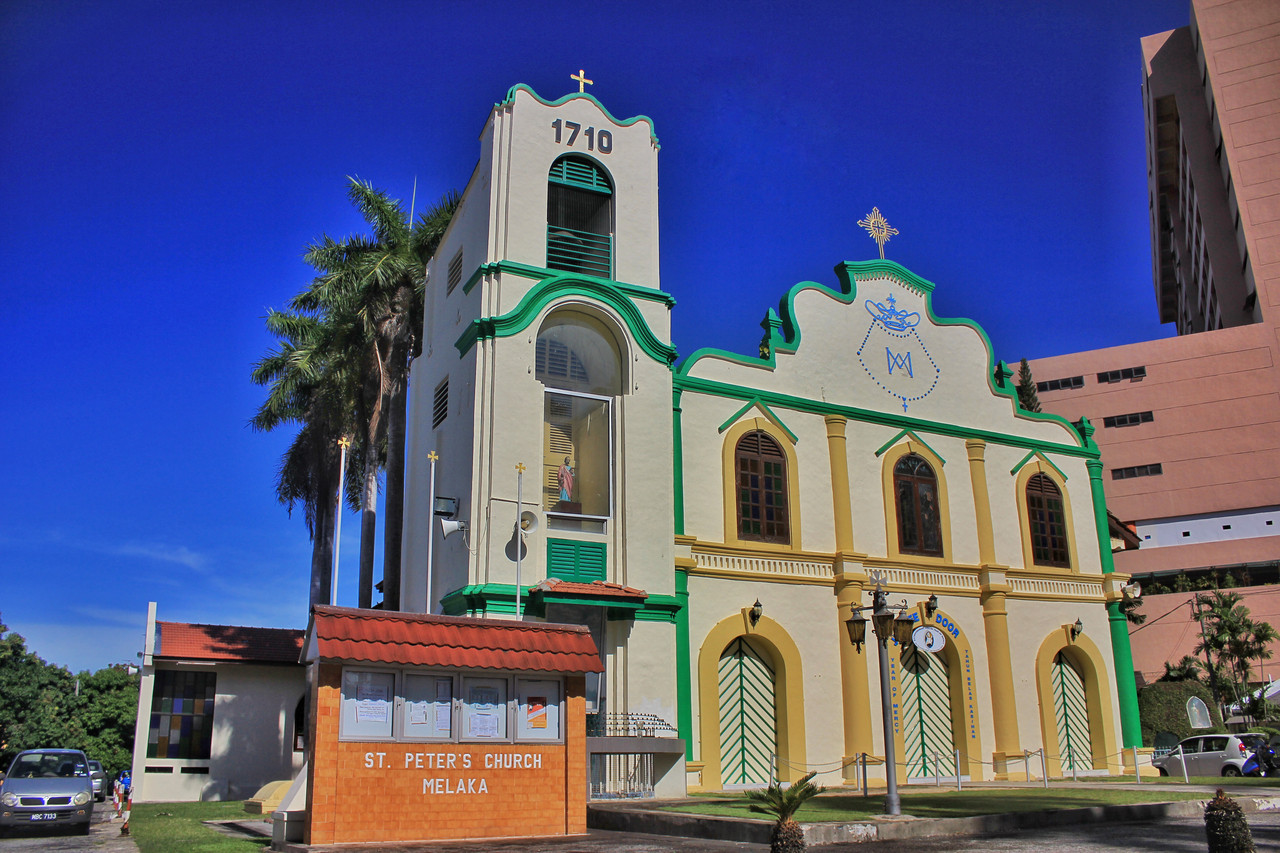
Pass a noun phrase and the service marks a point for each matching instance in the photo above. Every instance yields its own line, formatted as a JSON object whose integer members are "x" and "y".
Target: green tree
{"x": 374, "y": 285}
{"x": 34, "y": 708}
{"x": 103, "y": 716}
{"x": 1187, "y": 669}
{"x": 1232, "y": 640}
{"x": 1027, "y": 388}
{"x": 782, "y": 804}
{"x": 309, "y": 384}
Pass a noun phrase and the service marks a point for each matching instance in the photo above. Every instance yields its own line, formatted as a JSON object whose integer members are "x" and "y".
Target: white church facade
{"x": 712, "y": 520}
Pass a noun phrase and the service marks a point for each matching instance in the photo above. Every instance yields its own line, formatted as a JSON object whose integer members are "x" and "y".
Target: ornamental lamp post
{"x": 886, "y": 624}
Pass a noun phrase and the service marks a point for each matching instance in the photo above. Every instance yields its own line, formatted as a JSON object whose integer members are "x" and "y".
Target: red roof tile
{"x": 345, "y": 633}
{"x": 180, "y": 640}
{"x": 595, "y": 589}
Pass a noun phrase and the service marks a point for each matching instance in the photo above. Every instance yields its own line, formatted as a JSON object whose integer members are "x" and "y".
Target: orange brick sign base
{"x": 373, "y": 791}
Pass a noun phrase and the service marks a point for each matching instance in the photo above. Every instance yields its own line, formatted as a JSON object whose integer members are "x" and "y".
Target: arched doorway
{"x": 748, "y": 714}
{"x": 1071, "y": 713}
{"x": 928, "y": 736}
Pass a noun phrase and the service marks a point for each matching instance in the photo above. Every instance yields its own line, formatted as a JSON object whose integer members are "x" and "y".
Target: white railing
{"x": 1055, "y": 588}
{"x": 929, "y": 578}
{"x": 757, "y": 565}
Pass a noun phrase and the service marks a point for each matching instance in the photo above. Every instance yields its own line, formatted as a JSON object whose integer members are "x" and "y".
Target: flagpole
{"x": 343, "y": 443}
{"x": 519, "y": 530}
{"x": 431, "y": 526}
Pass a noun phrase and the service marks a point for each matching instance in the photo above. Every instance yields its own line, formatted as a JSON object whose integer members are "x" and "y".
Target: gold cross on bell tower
{"x": 583, "y": 82}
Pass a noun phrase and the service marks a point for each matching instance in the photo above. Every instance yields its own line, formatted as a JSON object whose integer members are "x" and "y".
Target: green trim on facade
{"x": 1043, "y": 458}
{"x": 849, "y": 274}
{"x": 479, "y": 599}
{"x": 572, "y": 96}
{"x": 684, "y": 666}
{"x": 635, "y": 291}
{"x": 677, "y": 463}
{"x": 889, "y": 419}
{"x": 660, "y": 608}
{"x": 538, "y": 298}
{"x": 1121, "y": 653}
{"x": 769, "y": 413}
{"x": 891, "y": 442}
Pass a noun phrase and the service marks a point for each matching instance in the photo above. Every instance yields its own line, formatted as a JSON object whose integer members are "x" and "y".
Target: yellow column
{"x": 981, "y": 500}
{"x": 1004, "y": 710}
{"x": 854, "y": 689}
{"x": 838, "y": 452}
{"x": 995, "y": 618}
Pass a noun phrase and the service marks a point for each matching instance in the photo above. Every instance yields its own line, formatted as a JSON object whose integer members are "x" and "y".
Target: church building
{"x": 714, "y": 520}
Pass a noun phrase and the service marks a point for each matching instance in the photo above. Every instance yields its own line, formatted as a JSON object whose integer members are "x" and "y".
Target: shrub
{"x": 1163, "y": 708}
{"x": 1226, "y": 827}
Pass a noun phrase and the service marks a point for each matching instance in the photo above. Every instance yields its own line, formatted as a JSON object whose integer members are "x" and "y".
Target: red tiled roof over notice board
{"x": 344, "y": 633}
{"x": 595, "y": 589}
{"x": 180, "y": 640}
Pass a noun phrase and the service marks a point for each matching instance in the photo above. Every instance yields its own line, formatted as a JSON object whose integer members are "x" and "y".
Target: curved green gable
{"x": 555, "y": 287}
{"x": 782, "y": 333}
{"x": 511, "y": 96}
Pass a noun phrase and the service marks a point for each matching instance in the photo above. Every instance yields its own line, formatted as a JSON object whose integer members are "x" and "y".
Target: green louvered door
{"x": 926, "y": 714}
{"x": 1071, "y": 712}
{"x": 748, "y": 732}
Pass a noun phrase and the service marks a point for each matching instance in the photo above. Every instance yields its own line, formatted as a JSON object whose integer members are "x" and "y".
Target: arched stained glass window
{"x": 761, "y": 479}
{"x": 915, "y": 489}
{"x": 1048, "y": 522}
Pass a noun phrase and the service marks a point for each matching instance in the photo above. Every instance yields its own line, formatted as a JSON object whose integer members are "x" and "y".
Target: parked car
{"x": 47, "y": 787}
{"x": 1210, "y": 755}
{"x": 99, "y": 778}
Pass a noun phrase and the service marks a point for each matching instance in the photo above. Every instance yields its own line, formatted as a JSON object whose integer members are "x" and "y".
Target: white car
{"x": 1209, "y": 755}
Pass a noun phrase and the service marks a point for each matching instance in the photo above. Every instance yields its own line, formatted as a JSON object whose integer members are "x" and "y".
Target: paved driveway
{"x": 105, "y": 836}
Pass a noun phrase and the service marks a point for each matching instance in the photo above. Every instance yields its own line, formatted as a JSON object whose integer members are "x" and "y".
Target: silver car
{"x": 47, "y": 787}
{"x": 1209, "y": 755}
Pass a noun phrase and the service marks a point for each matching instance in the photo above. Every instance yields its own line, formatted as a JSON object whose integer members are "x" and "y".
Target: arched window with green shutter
{"x": 579, "y": 217}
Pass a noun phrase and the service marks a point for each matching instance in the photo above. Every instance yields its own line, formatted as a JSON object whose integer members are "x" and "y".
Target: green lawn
{"x": 165, "y": 827}
{"x": 853, "y": 807}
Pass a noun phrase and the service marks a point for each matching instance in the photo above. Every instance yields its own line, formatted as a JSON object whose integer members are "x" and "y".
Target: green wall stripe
{"x": 889, "y": 419}
{"x": 684, "y": 665}
{"x": 635, "y": 291}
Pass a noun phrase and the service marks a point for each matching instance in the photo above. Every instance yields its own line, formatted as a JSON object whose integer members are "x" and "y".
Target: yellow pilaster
{"x": 977, "y": 449}
{"x": 855, "y": 691}
{"x": 1004, "y": 710}
{"x": 837, "y": 450}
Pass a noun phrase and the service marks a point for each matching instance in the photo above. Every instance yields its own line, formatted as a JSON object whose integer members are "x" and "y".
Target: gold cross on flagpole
{"x": 520, "y": 467}
{"x": 432, "y": 456}
{"x": 583, "y": 82}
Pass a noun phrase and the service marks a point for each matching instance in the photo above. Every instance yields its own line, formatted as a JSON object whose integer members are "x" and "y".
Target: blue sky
{"x": 164, "y": 164}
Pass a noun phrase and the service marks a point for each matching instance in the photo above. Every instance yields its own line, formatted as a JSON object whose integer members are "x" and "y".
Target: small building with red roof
{"x": 221, "y": 711}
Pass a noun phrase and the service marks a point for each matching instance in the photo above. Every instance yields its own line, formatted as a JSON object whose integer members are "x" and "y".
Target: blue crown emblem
{"x": 893, "y": 318}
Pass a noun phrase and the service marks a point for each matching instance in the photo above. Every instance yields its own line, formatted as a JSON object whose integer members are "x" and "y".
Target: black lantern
{"x": 857, "y": 625}
{"x": 931, "y": 606}
{"x": 756, "y": 611}
{"x": 902, "y": 628}
{"x": 1077, "y": 629}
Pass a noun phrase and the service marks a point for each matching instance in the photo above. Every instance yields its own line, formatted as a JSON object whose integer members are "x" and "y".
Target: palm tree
{"x": 375, "y": 286}
{"x": 1187, "y": 669}
{"x": 782, "y": 804}
{"x": 309, "y": 387}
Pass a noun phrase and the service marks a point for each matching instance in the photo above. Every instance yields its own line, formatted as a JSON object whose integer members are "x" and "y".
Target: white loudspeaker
{"x": 1132, "y": 590}
{"x": 449, "y": 526}
{"x": 528, "y": 522}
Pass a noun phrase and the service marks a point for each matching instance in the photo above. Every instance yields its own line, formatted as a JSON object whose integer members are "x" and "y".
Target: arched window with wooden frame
{"x": 760, "y": 469}
{"x": 1047, "y": 519}
{"x": 915, "y": 491}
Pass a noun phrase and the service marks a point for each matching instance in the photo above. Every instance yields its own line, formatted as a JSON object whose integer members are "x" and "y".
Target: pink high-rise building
{"x": 1189, "y": 426}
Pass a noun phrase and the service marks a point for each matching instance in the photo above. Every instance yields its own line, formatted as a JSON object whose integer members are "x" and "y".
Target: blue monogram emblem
{"x": 908, "y": 372}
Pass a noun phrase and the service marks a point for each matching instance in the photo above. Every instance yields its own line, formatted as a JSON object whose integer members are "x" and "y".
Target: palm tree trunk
{"x": 322, "y": 552}
{"x": 368, "y": 529}
{"x": 393, "y": 525}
